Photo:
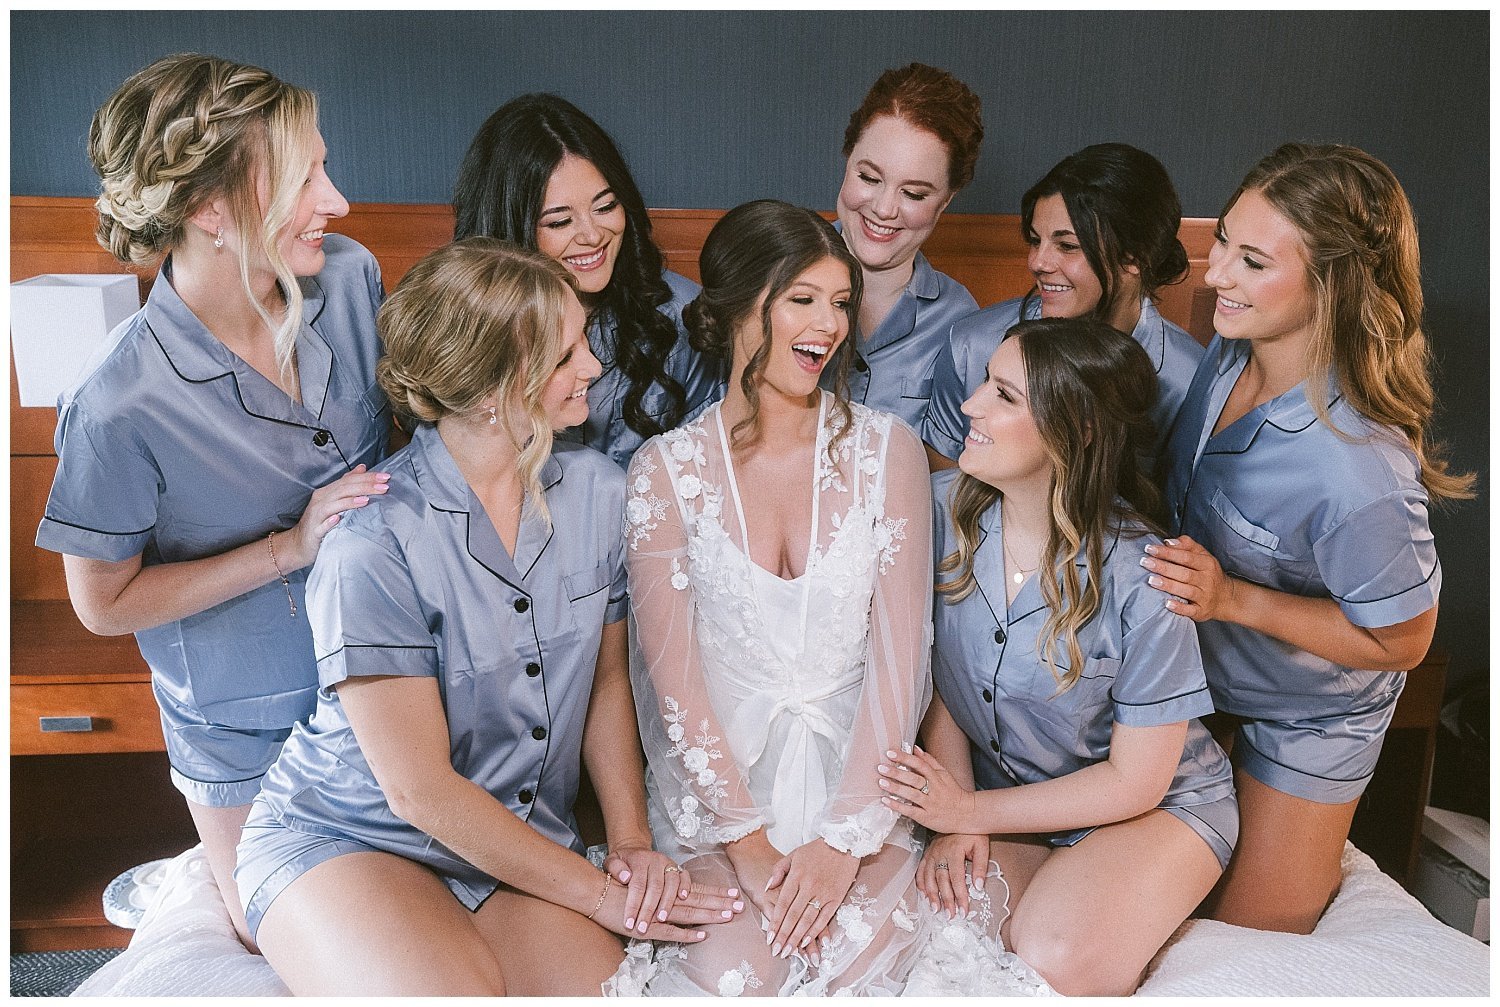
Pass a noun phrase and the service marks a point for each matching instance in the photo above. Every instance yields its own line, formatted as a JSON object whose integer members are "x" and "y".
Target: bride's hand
{"x": 811, "y": 884}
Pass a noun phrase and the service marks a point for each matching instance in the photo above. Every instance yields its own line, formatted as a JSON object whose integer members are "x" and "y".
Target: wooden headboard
{"x": 984, "y": 252}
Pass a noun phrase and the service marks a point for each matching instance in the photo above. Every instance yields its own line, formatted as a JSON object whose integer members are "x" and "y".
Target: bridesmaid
{"x": 416, "y": 836}
{"x": 227, "y": 424}
{"x": 1301, "y": 482}
{"x": 1102, "y": 226}
{"x": 1107, "y": 806}
{"x": 909, "y": 147}
{"x": 545, "y": 176}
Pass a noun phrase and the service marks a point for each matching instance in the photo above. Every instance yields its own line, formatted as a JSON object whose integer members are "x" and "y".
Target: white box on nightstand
{"x": 1453, "y": 871}
{"x": 58, "y": 320}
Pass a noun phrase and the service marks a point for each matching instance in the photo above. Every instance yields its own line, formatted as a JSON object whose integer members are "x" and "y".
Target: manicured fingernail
{"x": 776, "y": 950}
{"x": 727, "y": 914}
{"x": 361, "y": 501}
{"x": 699, "y": 935}
{"x": 1170, "y": 541}
{"x": 1145, "y": 562}
{"x": 662, "y": 916}
{"x": 805, "y": 941}
{"x": 1155, "y": 581}
{"x": 733, "y": 892}
{"x": 630, "y": 923}
{"x": 739, "y": 906}
{"x": 884, "y": 784}
{"x": 882, "y": 769}
{"x": 624, "y": 876}
{"x": 682, "y": 894}
{"x": 1150, "y": 550}
{"x": 890, "y": 755}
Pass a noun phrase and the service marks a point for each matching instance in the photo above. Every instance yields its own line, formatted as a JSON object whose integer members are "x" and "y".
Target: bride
{"x": 780, "y": 565}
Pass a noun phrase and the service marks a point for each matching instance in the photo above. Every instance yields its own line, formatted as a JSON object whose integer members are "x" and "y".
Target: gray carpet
{"x": 54, "y": 973}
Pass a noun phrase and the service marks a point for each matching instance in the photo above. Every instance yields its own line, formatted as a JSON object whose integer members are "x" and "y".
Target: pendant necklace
{"x": 1019, "y": 577}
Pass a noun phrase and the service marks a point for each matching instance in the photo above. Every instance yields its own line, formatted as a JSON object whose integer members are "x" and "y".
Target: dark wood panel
{"x": 35, "y": 574}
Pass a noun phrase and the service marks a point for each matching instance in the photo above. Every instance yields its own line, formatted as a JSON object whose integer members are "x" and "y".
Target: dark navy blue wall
{"x": 714, "y": 109}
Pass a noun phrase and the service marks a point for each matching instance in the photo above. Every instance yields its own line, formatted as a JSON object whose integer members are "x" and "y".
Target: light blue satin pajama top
{"x": 422, "y": 586}
{"x": 173, "y": 448}
{"x": 892, "y": 368}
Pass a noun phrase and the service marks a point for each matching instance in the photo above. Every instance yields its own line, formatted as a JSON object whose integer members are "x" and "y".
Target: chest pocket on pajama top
{"x": 917, "y": 388}
{"x": 1083, "y": 715}
{"x": 1243, "y": 548}
{"x": 588, "y": 595}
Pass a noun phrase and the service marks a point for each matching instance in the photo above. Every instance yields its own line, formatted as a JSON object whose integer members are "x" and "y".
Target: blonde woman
{"x": 417, "y": 836}
{"x": 1300, "y": 482}
{"x": 228, "y": 424}
{"x": 1106, "y": 805}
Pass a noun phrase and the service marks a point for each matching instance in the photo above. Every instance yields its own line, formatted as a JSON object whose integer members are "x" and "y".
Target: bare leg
{"x": 375, "y": 924}
{"x": 1019, "y": 859}
{"x": 545, "y": 949}
{"x": 1094, "y": 914}
{"x": 1286, "y": 865}
{"x": 219, "y": 830}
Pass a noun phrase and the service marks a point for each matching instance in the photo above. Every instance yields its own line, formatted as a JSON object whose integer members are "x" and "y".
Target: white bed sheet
{"x": 1374, "y": 940}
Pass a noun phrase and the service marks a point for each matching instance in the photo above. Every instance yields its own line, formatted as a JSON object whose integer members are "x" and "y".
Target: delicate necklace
{"x": 1020, "y": 575}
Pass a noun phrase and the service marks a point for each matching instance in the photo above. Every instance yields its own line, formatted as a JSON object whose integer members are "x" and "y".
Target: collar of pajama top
{"x": 423, "y": 587}
{"x": 1141, "y": 668}
{"x": 892, "y": 370}
{"x": 173, "y": 448}
{"x": 1282, "y": 500}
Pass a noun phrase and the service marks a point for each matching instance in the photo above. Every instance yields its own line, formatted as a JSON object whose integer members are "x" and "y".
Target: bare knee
{"x": 1074, "y": 965}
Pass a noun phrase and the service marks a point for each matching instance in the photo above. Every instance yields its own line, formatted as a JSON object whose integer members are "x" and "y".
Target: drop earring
{"x": 219, "y": 238}
{"x": 493, "y": 417}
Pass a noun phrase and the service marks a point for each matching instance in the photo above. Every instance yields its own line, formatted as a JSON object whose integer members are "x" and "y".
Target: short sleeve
{"x": 1160, "y": 679}
{"x": 944, "y": 426}
{"x": 103, "y": 503}
{"x": 1380, "y": 562}
{"x": 619, "y": 595}
{"x": 365, "y": 614}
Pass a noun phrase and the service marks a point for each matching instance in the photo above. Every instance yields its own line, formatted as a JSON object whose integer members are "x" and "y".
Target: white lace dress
{"x": 769, "y": 702}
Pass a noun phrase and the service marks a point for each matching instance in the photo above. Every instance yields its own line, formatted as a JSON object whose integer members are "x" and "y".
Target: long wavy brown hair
{"x": 1090, "y": 390}
{"x": 1361, "y": 244}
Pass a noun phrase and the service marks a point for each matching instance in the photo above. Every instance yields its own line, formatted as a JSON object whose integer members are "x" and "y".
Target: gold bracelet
{"x": 284, "y": 582}
{"x": 602, "y": 896}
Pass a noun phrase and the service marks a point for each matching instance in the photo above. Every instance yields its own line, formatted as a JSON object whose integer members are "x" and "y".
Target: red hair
{"x": 930, "y": 99}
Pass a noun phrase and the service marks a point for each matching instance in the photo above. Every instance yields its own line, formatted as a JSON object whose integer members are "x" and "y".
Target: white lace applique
{"x": 735, "y": 981}
{"x": 644, "y": 510}
{"x": 888, "y": 532}
{"x": 679, "y": 579}
{"x": 697, "y": 756}
{"x": 903, "y": 918}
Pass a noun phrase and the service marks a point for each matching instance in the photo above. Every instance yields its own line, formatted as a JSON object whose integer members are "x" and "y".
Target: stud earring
{"x": 219, "y": 238}
{"x": 493, "y": 417}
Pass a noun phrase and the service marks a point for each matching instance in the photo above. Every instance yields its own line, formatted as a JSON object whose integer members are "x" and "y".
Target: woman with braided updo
{"x": 544, "y": 175}
{"x": 228, "y": 423}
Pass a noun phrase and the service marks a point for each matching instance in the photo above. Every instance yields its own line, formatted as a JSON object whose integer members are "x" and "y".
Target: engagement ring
{"x": 814, "y": 903}
{"x": 924, "y": 787}
{"x": 942, "y": 865}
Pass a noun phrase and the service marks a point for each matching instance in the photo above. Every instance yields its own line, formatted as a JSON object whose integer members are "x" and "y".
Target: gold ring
{"x": 942, "y": 865}
{"x": 673, "y": 870}
{"x": 813, "y": 903}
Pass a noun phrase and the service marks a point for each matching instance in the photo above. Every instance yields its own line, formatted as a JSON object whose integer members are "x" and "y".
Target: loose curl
{"x": 1125, "y": 212}
{"x": 930, "y": 99}
{"x": 501, "y": 187}
{"x": 189, "y": 129}
{"x": 1360, "y": 239}
{"x": 477, "y": 318}
{"x": 753, "y": 254}
{"x": 1090, "y": 390}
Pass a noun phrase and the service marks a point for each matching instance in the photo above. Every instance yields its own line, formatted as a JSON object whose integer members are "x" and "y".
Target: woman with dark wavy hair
{"x": 545, "y": 176}
{"x": 1102, "y": 226}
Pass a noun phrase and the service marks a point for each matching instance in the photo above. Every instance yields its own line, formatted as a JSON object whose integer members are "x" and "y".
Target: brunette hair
{"x": 500, "y": 191}
{"x": 189, "y": 129}
{"x": 477, "y": 317}
{"x": 1125, "y": 212}
{"x": 1090, "y": 390}
{"x": 930, "y": 99}
{"x": 1360, "y": 239}
{"x": 752, "y": 255}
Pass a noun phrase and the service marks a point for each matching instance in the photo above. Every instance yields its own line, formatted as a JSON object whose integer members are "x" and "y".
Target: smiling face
{"x": 581, "y": 224}
{"x": 895, "y": 188}
{"x": 1258, "y": 266}
{"x": 318, "y": 201}
{"x": 564, "y": 399}
{"x": 1065, "y": 281}
{"x": 1004, "y": 448}
{"x": 809, "y": 321}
